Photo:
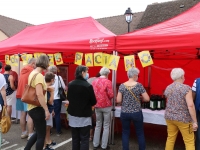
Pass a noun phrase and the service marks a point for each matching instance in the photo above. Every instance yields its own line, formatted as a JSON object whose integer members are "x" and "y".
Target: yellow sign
{"x": 12, "y": 60}
{"x": 89, "y": 59}
{"x": 24, "y": 59}
{"x": 98, "y": 59}
{"x": 78, "y": 58}
{"x": 37, "y": 55}
{"x": 129, "y": 62}
{"x": 16, "y": 60}
{"x": 106, "y": 58}
{"x": 58, "y": 58}
{"x": 145, "y": 58}
{"x": 28, "y": 57}
{"x": 113, "y": 62}
{"x": 51, "y": 59}
{"x": 7, "y": 59}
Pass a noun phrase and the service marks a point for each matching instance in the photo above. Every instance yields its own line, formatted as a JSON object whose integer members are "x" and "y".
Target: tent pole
{"x": 149, "y": 79}
{"x": 16, "y": 120}
{"x": 112, "y": 124}
{"x": 111, "y": 116}
{"x": 114, "y": 99}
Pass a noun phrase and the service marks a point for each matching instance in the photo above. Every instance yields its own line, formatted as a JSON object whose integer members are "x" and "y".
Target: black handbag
{"x": 61, "y": 91}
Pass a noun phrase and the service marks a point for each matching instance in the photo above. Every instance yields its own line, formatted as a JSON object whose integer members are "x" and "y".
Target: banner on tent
{"x": 13, "y": 60}
{"x": 111, "y": 61}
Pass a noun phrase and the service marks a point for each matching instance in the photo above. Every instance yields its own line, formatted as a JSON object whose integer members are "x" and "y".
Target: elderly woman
{"x": 104, "y": 93}
{"x": 38, "y": 114}
{"x": 180, "y": 112}
{"x": 129, "y": 95}
{"x": 57, "y": 102}
{"x": 81, "y": 99}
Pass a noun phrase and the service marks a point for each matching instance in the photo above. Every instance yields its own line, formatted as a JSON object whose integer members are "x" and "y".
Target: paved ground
{"x": 155, "y": 139}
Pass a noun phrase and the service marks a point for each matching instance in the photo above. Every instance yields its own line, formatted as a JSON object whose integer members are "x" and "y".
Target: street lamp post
{"x": 129, "y": 16}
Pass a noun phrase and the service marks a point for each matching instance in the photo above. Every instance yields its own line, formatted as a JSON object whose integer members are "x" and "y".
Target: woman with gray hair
{"x": 180, "y": 112}
{"x": 57, "y": 103}
{"x": 129, "y": 95}
{"x": 104, "y": 93}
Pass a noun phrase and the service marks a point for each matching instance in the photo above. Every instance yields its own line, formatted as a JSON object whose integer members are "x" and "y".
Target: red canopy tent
{"x": 173, "y": 43}
{"x": 67, "y": 37}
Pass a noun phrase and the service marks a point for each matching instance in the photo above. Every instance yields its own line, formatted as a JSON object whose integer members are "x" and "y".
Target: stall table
{"x": 153, "y": 117}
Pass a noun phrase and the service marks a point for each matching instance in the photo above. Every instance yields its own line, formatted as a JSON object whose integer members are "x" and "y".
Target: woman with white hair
{"x": 104, "y": 93}
{"x": 129, "y": 95}
{"x": 180, "y": 112}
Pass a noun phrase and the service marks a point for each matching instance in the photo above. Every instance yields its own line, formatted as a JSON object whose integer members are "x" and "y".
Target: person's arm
{"x": 191, "y": 108}
{"x": 62, "y": 82}
{"x": 3, "y": 94}
{"x": 51, "y": 90}
{"x": 145, "y": 97}
{"x": 110, "y": 90}
{"x": 41, "y": 98}
{"x": 119, "y": 97}
{"x": 11, "y": 79}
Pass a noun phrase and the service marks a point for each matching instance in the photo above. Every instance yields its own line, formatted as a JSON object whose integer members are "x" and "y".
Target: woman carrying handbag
{"x": 39, "y": 114}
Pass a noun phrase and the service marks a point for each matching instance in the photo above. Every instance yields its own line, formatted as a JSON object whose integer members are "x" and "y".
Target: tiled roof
{"x": 11, "y": 26}
{"x": 118, "y": 24}
{"x": 159, "y": 12}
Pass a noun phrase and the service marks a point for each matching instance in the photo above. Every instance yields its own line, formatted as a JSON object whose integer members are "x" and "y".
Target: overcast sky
{"x": 44, "y": 11}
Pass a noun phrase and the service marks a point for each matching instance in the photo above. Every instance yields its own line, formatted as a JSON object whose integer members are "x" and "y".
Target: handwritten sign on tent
{"x": 129, "y": 61}
{"x": 89, "y": 59}
{"x": 58, "y": 58}
{"x": 113, "y": 62}
{"x": 106, "y": 58}
{"x": 145, "y": 58}
{"x": 37, "y": 55}
{"x": 78, "y": 58}
{"x": 7, "y": 59}
{"x": 28, "y": 57}
{"x": 51, "y": 59}
{"x": 98, "y": 59}
{"x": 24, "y": 59}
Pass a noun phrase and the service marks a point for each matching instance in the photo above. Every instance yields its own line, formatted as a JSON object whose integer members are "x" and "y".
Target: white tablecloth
{"x": 154, "y": 117}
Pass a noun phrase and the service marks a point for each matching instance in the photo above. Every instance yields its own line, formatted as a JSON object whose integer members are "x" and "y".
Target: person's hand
{"x": 47, "y": 114}
{"x": 50, "y": 89}
{"x": 53, "y": 113}
{"x": 5, "y": 104}
{"x": 194, "y": 126}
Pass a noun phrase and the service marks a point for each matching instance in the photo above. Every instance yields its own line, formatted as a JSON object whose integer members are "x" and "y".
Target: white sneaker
{"x": 23, "y": 136}
{"x": 3, "y": 141}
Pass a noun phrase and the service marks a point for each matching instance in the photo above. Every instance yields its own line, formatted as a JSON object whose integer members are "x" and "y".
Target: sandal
{"x": 91, "y": 138}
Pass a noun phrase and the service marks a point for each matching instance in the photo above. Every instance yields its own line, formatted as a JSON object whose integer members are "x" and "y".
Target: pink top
{"x": 103, "y": 92}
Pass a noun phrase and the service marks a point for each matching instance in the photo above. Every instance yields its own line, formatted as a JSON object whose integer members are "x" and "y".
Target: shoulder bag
{"x": 132, "y": 93}
{"x": 61, "y": 91}
{"x": 29, "y": 95}
{"x": 5, "y": 121}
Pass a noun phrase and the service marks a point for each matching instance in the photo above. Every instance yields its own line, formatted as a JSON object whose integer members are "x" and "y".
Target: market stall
{"x": 64, "y": 38}
{"x": 171, "y": 44}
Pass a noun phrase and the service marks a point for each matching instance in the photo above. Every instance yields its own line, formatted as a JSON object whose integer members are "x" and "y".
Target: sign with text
{"x": 78, "y": 58}
{"x": 89, "y": 60}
